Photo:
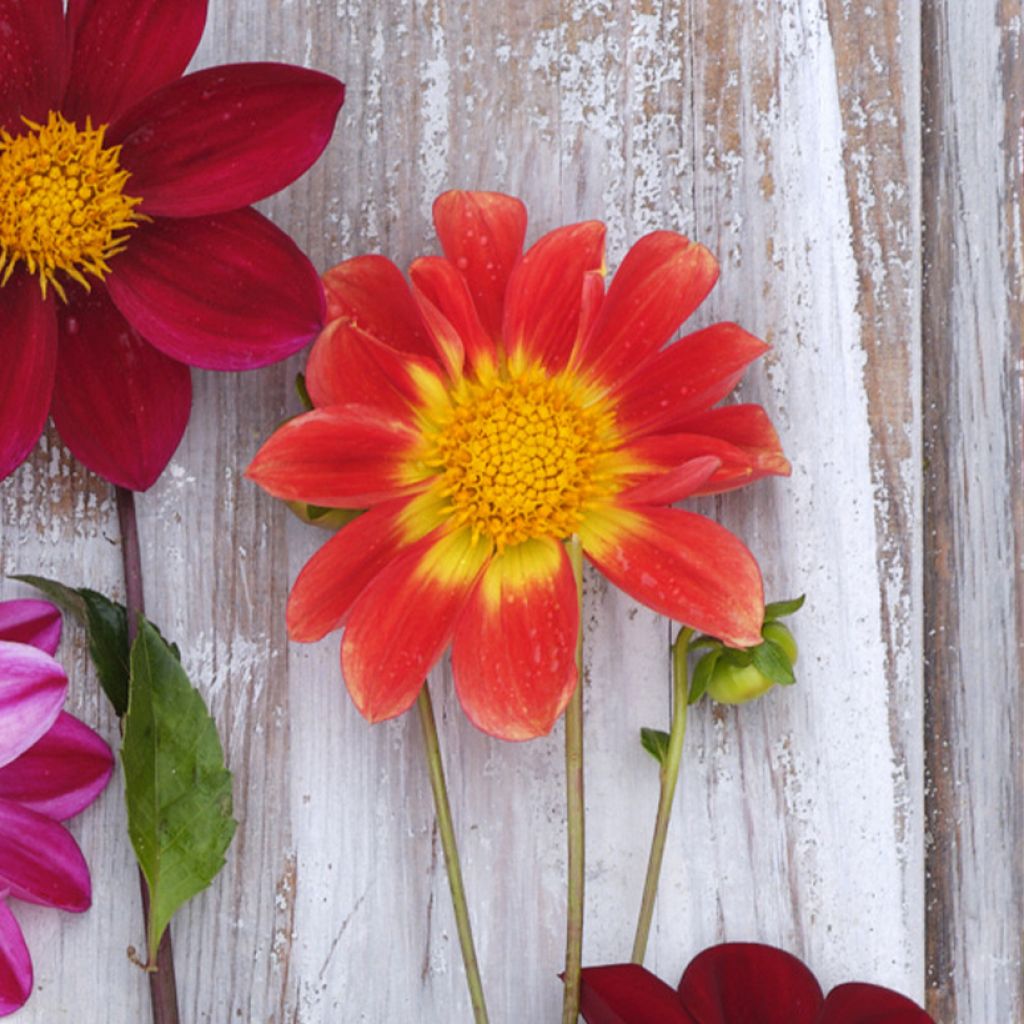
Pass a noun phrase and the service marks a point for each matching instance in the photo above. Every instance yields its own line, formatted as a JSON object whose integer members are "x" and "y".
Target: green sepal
{"x": 655, "y": 742}
{"x": 702, "y": 674}
{"x": 780, "y": 609}
{"x": 303, "y": 392}
{"x": 771, "y": 661}
{"x": 177, "y": 788}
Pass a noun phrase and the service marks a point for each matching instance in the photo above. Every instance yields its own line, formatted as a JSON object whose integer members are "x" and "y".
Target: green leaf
{"x": 780, "y": 609}
{"x": 655, "y": 742}
{"x": 702, "y": 675}
{"x": 107, "y": 625}
{"x": 177, "y": 789}
{"x": 771, "y": 661}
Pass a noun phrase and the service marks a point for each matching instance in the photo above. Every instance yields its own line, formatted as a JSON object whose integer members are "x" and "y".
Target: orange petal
{"x": 686, "y": 378}
{"x": 747, "y": 430}
{"x": 514, "y": 652}
{"x": 545, "y": 295}
{"x": 403, "y": 621}
{"x": 681, "y": 565}
{"x": 435, "y": 280}
{"x": 674, "y": 484}
{"x": 341, "y": 570}
{"x": 371, "y": 292}
{"x": 482, "y": 234}
{"x": 342, "y": 457}
{"x": 347, "y": 366}
{"x": 662, "y": 280}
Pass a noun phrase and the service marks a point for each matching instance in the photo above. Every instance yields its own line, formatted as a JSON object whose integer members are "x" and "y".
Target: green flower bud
{"x": 736, "y": 684}
{"x": 780, "y": 635}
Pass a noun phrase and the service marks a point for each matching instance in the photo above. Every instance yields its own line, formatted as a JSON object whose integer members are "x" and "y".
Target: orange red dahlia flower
{"x": 501, "y": 404}
{"x": 128, "y": 250}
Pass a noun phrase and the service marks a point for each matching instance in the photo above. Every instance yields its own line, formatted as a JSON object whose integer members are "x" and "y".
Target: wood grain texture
{"x": 974, "y": 330}
{"x": 787, "y": 136}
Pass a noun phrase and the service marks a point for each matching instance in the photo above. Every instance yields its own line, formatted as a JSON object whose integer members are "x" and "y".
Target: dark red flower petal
{"x": 371, "y": 292}
{"x": 857, "y": 1003}
{"x": 628, "y": 994}
{"x": 28, "y": 340}
{"x": 740, "y": 982}
{"x": 121, "y": 52}
{"x": 662, "y": 280}
{"x": 685, "y": 378}
{"x": 545, "y": 295}
{"x": 482, "y": 235}
{"x": 226, "y": 137}
{"x": 679, "y": 482}
{"x": 33, "y": 59}
{"x": 120, "y": 405}
{"x": 514, "y": 650}
{"x": 227, "y": 292}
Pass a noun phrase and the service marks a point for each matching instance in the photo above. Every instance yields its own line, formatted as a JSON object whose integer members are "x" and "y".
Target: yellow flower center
{"x": 519, "y": 458}
{"x": 62, "y": 202}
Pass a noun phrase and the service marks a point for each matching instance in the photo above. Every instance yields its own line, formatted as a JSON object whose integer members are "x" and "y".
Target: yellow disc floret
{"x": 520, "y": 457}
{"x": 62, "y": 202}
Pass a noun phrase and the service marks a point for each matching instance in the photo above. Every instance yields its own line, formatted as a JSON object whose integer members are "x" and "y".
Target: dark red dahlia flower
{"x": 128, "y": 251}
{"x": 737, "y": 983}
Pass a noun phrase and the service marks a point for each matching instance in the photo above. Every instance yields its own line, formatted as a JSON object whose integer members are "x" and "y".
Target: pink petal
{"x": 32, "y": 55}
{"x": 28, "y": 340}
{"x": 228, "y": 292}
{"x": 120, "y": 405}
{"x": 40, "y": 861}
{"x": 15, "y": 964}
{"x": 32, "y": 690}
{"x": 743, "y": 981}
{"x": 226, "y": 137}
{"x": 28, "y": 621}
{"x": 123, "y": 51}
{"x": 62, "y": 773}
{"x": 629, "y": 994}
{"x": 857, "y": 1003}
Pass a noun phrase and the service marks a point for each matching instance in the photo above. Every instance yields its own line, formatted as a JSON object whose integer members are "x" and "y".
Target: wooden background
{"x": 857, "y": 168}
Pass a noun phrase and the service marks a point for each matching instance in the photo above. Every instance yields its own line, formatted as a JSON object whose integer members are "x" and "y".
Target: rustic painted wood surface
{"x": 789, "y": 136}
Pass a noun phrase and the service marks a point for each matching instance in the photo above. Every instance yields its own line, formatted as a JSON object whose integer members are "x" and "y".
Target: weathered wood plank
{"x": 974, "y": 317}
{"x": 784, "y": 136}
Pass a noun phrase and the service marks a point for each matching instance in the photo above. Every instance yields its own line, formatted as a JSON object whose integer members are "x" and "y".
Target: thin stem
{"x": 451, "y": 854}
{"x": 163, "y": 990}
{"x": 669, "y": 776}
{"x": 574, "y": 811}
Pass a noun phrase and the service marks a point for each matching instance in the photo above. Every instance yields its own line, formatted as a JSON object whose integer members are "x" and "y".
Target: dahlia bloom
{"x": 497, "y": 407}
{"x": 128, "y": 251}
{"x": 737, "y": 983}
{"x": 51, "y": 767}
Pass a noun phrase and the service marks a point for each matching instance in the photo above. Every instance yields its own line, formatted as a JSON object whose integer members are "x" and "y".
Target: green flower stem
{"x": 163, "y": 989}
{"x": 669, "y": 776}
{"x": 451, "y": 854}
{"x": 574, "y": 811}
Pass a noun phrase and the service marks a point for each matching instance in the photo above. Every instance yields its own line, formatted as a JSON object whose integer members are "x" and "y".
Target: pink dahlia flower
{"x": 51, "y": 767}
{"x": 128, "y": 248}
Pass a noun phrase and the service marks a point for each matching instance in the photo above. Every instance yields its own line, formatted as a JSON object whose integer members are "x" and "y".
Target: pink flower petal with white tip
{"x": 32, "y": 690}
